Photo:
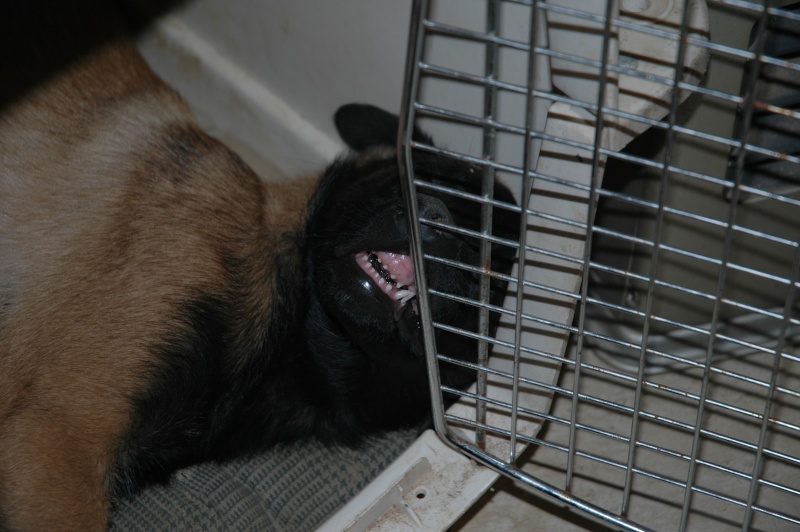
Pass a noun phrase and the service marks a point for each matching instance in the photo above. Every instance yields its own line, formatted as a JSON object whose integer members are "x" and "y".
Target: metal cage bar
{"x": 652, "y": 320}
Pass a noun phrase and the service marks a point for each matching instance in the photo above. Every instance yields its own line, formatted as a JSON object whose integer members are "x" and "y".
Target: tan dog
{"x": 94, "y": 267}
{"x": 161, "y": 305}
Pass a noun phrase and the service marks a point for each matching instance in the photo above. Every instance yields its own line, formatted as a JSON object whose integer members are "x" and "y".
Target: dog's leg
{"x": 52, "y": 476}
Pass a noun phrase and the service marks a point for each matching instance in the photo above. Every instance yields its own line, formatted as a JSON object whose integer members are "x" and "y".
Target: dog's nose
{"x": 433, "y": 209}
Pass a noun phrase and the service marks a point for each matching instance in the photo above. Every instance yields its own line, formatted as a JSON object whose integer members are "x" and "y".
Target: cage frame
{"x": 411, "y": 106}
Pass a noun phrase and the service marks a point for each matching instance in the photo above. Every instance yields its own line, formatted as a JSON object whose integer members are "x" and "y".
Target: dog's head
{"x": 364, "y": 280}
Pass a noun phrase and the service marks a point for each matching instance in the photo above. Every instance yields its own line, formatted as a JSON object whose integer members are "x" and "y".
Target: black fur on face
{"x": 362, "y": 278}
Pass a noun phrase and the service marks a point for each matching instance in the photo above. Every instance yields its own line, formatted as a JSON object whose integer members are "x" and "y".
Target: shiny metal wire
{"x": 677, "y": 403}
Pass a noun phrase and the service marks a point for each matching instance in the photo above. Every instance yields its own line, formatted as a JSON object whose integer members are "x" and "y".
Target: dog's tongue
{"x": 400, "y": 266}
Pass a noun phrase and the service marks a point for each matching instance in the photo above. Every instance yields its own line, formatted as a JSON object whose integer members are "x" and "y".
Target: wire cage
{"x": 648, "y": 348}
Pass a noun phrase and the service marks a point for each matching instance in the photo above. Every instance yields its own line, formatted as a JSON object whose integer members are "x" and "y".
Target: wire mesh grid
{"x": 647, "y": 353}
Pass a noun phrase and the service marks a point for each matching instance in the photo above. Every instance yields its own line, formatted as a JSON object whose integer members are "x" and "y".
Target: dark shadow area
{"x": 39, "y": 38}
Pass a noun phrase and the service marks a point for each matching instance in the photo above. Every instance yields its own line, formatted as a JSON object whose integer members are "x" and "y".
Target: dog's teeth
{"x": 407, "y": 298}
{"x": 404, "y": 295}
{"x": 385, "y": 279}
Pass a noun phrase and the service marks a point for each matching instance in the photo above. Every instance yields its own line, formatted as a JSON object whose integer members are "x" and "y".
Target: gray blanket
{"x": 286, "y": 489}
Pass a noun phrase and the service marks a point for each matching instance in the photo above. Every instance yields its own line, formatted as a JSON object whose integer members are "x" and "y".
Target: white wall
{"x": 268, "y": 76}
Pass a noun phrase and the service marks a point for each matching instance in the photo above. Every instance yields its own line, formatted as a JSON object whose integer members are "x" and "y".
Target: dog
{"x": 161, "y": 305}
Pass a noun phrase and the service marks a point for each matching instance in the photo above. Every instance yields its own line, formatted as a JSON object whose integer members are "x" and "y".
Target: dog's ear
{"x": 363, "y": 126}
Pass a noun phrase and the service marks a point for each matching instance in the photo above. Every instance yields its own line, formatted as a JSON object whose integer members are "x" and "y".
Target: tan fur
{"x": 113, "y": 205}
